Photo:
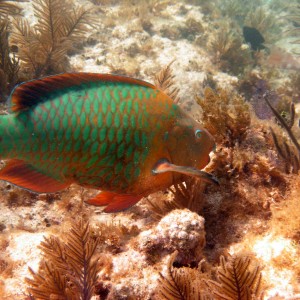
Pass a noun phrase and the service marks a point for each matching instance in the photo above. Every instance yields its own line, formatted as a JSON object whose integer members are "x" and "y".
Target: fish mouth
{"x": 190, "y": 171}
{"x": 163, "y": 166}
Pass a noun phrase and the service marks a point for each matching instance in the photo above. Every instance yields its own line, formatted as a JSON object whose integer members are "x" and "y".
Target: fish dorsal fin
{"x": 30, "y": 93}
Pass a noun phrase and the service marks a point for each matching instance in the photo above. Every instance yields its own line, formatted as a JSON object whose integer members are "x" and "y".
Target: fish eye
{"x": 198, "y": 133}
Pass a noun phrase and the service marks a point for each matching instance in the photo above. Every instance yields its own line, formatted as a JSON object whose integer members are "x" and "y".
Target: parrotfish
{"x": 117, "y": 134}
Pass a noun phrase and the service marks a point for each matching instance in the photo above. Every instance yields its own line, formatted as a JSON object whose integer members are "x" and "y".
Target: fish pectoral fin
{"x": 115, "y": 202}
{"x": 164, "y": 165}
{"x": 26, "y": 176}
{"x": 101, "y": 199}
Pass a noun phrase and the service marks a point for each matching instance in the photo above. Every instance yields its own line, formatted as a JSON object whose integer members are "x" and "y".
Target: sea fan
{"x": 43, "y": 49}
{"x": 68, "y": 270}
{"x": 188, "y": 194}
{"x": 181, "y": 283}
{"x": 7, "y": 9}
{"x": 165, "y": 81}
{"x": 237, "y": 279}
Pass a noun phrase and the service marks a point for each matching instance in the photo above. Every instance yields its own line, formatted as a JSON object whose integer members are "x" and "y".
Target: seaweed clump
{"x": 227, "y": 47}
{"x": 225, "y": 116}
{"x": 43, "y": 47}
{"x": 69, "y": 269}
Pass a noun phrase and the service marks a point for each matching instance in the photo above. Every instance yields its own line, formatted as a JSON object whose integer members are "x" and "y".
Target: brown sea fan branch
{"x": 237, "y": 279}
{"x": 45, "y": 46}
{"x": 180, "y": 283}
{"x": 69, "y": 270}
{"x": 165, "y": 80}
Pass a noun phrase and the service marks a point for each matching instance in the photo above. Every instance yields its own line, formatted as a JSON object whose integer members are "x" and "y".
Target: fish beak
{"x": 163, "y": 166}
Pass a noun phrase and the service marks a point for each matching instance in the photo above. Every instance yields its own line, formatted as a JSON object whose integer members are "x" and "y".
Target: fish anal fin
{"x": 24, "y": 175}
{"x": 30, "y": 93}
{"x": 115, "y": 202}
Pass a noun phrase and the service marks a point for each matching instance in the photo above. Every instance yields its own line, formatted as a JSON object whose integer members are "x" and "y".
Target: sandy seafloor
{"x": 121, "y": 43}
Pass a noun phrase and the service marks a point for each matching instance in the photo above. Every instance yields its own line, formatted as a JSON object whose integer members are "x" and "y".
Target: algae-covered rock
{"x": 180, "y": 230}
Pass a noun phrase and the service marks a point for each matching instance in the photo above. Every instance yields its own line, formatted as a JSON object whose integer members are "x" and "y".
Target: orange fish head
{"x": 189, "y": 144}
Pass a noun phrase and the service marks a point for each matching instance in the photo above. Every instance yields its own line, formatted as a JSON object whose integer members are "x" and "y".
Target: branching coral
{"x": 68, "y": 270}
{"x": 7, "y": 8}
{"x": 43, "y": 49}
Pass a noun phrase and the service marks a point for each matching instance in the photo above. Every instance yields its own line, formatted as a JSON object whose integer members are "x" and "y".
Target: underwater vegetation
{"x": 238, "y": 240}
{"x": 9, "y": 64}
{"x": 226, "y": 46}
{"x": 226, "y": 116}
{"x": 290, "y": 154}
